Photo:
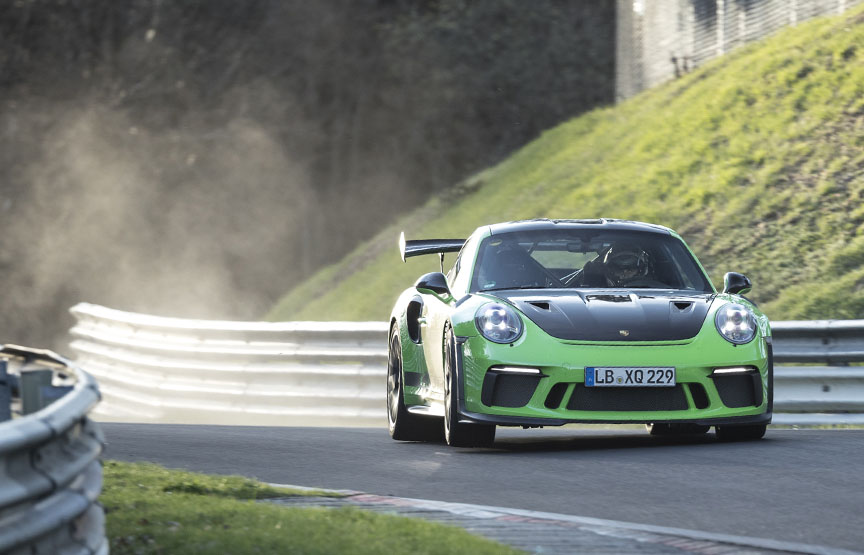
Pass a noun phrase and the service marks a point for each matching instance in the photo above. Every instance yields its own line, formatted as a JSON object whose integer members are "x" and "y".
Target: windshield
{"x": 586, "y": 259}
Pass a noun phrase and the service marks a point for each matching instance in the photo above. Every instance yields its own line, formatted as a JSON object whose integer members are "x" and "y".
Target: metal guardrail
{"x": 154, "y": 369}
{"x": 831, "y": 341}
{"x": 50, "y": 475}
{"x": 814, "y": 395}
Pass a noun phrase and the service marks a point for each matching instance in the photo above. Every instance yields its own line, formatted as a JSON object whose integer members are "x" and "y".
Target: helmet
{"x": 623, "y": 265}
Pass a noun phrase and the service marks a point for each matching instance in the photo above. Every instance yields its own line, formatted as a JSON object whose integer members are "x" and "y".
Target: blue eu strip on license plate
{"x": 620, "y": 376}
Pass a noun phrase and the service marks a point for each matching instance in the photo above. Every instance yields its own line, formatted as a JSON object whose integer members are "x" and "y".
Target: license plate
{"x": 618, "y": 376}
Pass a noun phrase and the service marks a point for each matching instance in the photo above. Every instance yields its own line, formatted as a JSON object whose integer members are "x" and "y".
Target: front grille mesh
{"x": 739, "y": 390}
{"x": 627, "y": 399}
{"x": 503, "y": 390}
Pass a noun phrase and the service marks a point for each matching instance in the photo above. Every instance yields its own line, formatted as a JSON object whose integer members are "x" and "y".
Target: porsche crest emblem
{"x": 624, "y": 333}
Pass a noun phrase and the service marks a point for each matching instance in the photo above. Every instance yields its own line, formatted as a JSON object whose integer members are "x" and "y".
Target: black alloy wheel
{"x": 403, "y": 425}
{"x": 459, "y": 434}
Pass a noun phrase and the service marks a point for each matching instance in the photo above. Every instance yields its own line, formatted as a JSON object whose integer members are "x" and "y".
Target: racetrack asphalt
{"x": 803, "y": 486}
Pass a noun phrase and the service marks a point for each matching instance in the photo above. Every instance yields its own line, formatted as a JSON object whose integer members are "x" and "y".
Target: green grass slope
{"x": 757, "y": 159}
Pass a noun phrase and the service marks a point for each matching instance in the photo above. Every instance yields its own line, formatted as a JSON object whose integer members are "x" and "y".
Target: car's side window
{"x": 454, "y": 271}
{"x": 461, "y": 271}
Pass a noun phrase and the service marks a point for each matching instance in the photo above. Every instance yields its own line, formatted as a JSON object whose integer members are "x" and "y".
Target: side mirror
{"x": 736, "y": 284}
{"x": 433, "y": 282}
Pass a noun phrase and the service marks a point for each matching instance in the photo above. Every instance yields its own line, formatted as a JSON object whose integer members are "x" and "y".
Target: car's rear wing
{"x": 418, "y": 247}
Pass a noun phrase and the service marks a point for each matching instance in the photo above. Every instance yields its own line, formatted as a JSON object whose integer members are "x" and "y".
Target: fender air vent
{"x": 412, "y": 313}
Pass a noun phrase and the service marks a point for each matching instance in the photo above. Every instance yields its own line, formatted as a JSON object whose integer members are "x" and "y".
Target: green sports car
{"x": 549, "y": 322}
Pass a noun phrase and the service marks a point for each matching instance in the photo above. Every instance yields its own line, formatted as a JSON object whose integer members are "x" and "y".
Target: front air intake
{"x": 556, "y": 395}
{"x": 627, "y": 398}
{"x": 739, "y": 390}
{"x": 700, "y": 396}
{"x": 508, "y": 390}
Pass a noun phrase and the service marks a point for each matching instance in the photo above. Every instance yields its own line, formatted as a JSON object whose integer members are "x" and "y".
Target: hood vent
{"x": 542, "y": 305}
{"x": 683, "y": 305}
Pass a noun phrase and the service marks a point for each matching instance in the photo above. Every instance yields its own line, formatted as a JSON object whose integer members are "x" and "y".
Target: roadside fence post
{"x": 5, "y": 392}
{"x": 32, "y": 382}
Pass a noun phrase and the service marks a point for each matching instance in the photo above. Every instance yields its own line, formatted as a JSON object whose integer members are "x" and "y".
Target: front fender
{"x": 415, "y": 373}
{"x": 462, "y": 318}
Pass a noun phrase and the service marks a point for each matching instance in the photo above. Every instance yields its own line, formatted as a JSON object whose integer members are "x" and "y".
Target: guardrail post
{"x": 5, "y": 392}
{"x": 49, "y": 393}
{"x": 32, "y": 384}
{"x": 50, "y": 475}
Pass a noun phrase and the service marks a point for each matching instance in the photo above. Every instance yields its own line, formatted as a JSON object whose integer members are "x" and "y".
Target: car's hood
{"x": 613, "y": 315}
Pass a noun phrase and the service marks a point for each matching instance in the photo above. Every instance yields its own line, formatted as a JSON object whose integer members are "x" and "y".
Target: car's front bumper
{"x": 698, "y": 399}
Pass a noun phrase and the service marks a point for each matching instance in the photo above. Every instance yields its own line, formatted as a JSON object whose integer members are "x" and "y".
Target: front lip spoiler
{"x": 478, "y": 418}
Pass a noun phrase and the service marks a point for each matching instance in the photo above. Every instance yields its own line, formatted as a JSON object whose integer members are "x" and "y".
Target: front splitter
{"x": 480, "y": 418}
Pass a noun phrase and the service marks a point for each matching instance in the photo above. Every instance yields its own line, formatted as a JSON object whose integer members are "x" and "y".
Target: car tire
{"x": 459, "y": 434}
{"x": 740, "y": 433}
{"x": 675, "y": 429}
{"x": 403, "y": 425}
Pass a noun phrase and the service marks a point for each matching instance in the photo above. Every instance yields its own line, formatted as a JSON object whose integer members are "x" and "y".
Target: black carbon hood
{"x": 618, "y": 315}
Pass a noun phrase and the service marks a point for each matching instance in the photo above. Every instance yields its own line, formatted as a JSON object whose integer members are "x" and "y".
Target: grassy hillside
{"x": 757, "y": 159}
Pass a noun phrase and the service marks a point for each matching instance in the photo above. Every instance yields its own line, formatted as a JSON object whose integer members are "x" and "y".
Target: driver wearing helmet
{"x": 623, "y": 265}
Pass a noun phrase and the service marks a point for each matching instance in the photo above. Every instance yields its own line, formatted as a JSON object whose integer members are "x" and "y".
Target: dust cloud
{"x": 185, "y": 159}
{"x": 200, "y": 158}
{"x": 100, "y": 220}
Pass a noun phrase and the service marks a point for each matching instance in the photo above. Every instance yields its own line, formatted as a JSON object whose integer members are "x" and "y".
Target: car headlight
{"x": 735, "y": 323}
{"x": 498, "y": 323}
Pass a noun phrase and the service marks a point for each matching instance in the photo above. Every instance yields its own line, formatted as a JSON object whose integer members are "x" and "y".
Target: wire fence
{"x": 658, "y": 40}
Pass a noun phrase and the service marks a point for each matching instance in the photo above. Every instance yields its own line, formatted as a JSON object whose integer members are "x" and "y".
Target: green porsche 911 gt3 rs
{"x": 548, "y": 322}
